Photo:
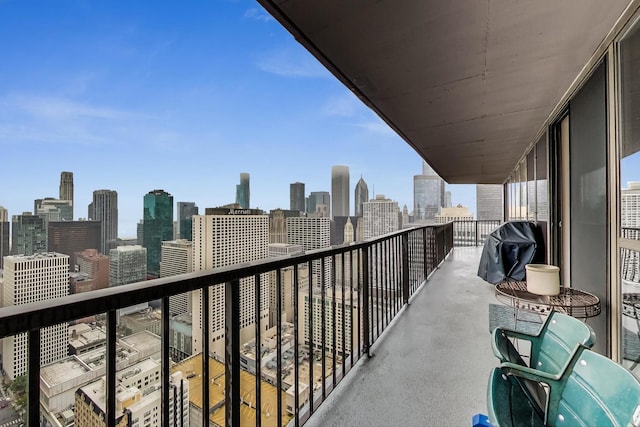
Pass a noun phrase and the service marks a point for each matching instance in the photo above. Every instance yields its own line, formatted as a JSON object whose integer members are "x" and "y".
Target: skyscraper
{"x": 28, "y": 234}
{"x": 489, "y": 201}
{"x": 177, "y": 258}
{"x": 340, "y": 191}
{"x": 127, "y": 264}
{"x": 158, "y": 226}
{"x": 242, "y": 191}
{"x": 319, "y": 201}
{"x": 296, "y": 196}
{"x": 30, "y": 279}
{"x": 380, "y": 216}
{"x": 4, "y": 234}
{"x": 221, "y": 239}
{"x": 186, "y": 210}
{"x": 312, "y": 233}
{"x": 428, "y": 194}
{"x": 66, "y": 188}
{"x": 54, "y": 209}
{"x": 69, "y": 237}
{"x": 361, "y": 195}
{"x": 104, "y": 208}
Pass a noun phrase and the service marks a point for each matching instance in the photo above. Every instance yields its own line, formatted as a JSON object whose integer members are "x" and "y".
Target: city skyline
{"x": 128, "y": 94}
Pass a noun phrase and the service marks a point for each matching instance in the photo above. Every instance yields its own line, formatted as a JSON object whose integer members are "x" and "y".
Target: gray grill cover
{"x": 508, "y": 249}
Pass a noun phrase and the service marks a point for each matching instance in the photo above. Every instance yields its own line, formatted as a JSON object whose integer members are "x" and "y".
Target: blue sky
{"x": 183, "y": 96}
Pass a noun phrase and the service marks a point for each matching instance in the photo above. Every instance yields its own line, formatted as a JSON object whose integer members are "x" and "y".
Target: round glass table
{"x": 574, "y": 302}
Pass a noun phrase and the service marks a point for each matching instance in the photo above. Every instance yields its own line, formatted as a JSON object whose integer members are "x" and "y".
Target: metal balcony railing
{"x": 473, "y": 233}
{"x": 372, "y": 281}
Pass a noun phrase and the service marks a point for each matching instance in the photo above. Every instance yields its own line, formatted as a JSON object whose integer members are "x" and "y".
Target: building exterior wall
{"x": 296, "y": 197}
{"x": 220, "y": 241}
{"x": 30, "y": 279}
{"x": 127, "y": 264}
{"x": 69, "y": 237}
{"x": 177, "y": 258}
{"x": 157, "y": 225}
{"x": 380, "y": 216}
{"x": 104, "y": 208}
{"x": 340, "y": 191}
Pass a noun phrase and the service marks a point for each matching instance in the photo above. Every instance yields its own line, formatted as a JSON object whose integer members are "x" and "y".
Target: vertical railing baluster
{"x": 351, "y": 352}
{"x": 344, "y": 315}
{"x": 231, "y": 353}
{"x": 111, "y": 367}
{"x": 405, "y": 268}
{"x": 376, "y": 322}
{"x": 206, "y": 313}
{"x": 387, "y": 270}
{"x": 310, "y": 323}
{"x": 258, "y": 334}
{"x": 165, "y": 362}
{"x": 360, "y": 288}
{"x": 334, "y": 328}
{"x": 279, "y": 344}
{"x": 33, "y": 377}
{"x": 296, "y": 344}
{"x": 323, "y": 327}
{"x": 365, "y": 301}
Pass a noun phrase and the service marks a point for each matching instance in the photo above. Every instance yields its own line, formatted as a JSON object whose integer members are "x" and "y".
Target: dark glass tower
{"x": 361, "y": 196}
{"x": 104, "y": 208}
{"x": 157, "y": 226}
{"x": 186, "y": 211}
{"x": 28, "y": 234}
{"x": 296, "y": 197}
{"x": 242, "y": 191}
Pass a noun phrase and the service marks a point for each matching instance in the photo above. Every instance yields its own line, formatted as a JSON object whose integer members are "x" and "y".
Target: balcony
{"x": 436, "y": 347}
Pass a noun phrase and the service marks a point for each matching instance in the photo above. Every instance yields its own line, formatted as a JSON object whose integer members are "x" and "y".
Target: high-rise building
{"x": 296, "y": 197}
{"x": 54, "y": 209}
{"x": 286, "y": 283}
{"x": 338, "y": 229}
{"x": 428, "y": 194}
{"x": 186, "y": 211}
{"x": 127, "y": 264}
{"x": 28, "y": 234}
{"x": 340, "y": 190}
{"x": 177, "y": 258}
{"x": 96, "y": 265}
{"x": 30, "y": 279}
{"x": 361, "y": 195}
{"x": 104, "y": 208}
{"x": 220, "y": 239}
{"x": 447, "y": 199}
{"x": 380, "y": 216}
{"x": 242, "y": 191}
{"x": 345, "y": 310}
{"x": 489, "y": 203}
{"x": 4, "y": 234}
{"x": 66, "y": 188}
{"x": 312, "y": 233}
{"x": 319, "y": 200}
{"x": 138, "y": 399}
{"x": 157, "y": 226}
{"x": 278, "y": 224}
{"x": 69, "y": 237}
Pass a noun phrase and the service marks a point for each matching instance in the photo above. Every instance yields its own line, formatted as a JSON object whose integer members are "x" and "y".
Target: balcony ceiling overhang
{"x": 467, "y": 83}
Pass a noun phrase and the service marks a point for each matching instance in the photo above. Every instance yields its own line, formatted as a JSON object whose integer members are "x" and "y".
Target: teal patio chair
{"x": 549, "y": 350}
{"x": 591, "y": 390}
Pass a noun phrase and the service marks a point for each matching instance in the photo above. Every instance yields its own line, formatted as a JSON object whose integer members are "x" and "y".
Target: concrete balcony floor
{"x": 431, "y": 366}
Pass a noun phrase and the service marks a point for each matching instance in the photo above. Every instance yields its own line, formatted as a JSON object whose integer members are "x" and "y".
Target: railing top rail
{"x": 32, "y": 316}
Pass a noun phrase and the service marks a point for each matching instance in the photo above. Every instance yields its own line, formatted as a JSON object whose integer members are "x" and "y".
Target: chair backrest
{"x": 558, "y": 340}
{"x": 595, "y": 391}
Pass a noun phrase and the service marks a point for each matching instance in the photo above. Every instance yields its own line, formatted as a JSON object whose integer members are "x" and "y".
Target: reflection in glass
{"x": 630, "y": 309}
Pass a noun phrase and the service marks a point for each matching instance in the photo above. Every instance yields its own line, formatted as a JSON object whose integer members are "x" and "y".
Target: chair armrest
{"x": 503, "y": 349}
{"x": 530, "y": 373}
